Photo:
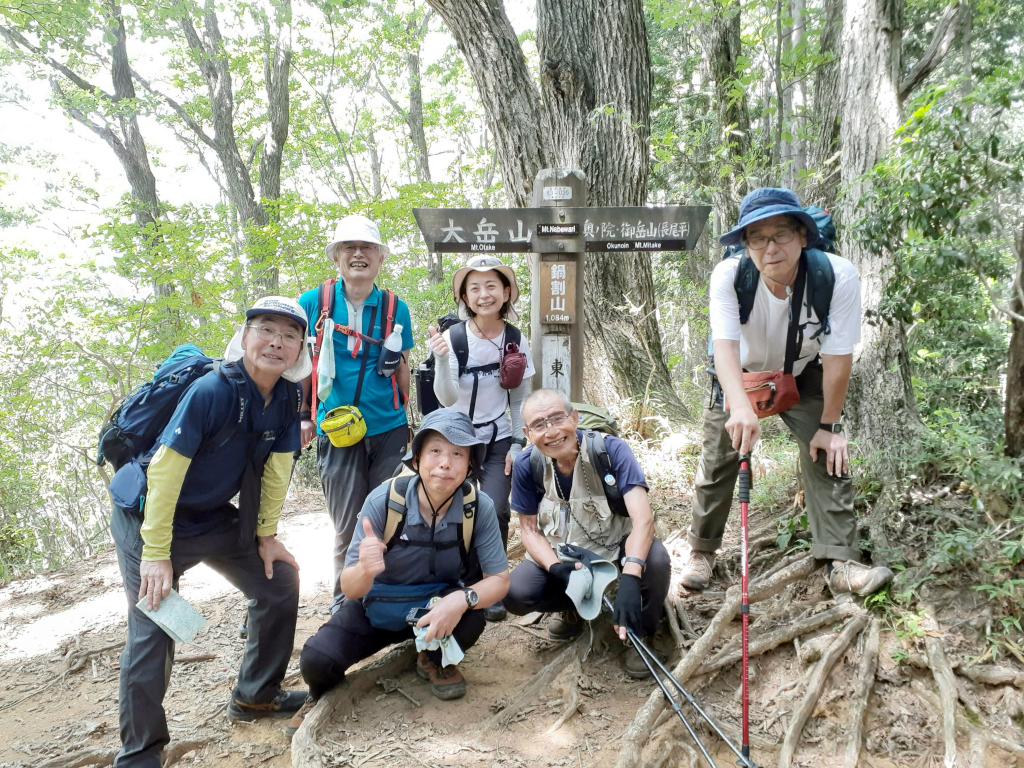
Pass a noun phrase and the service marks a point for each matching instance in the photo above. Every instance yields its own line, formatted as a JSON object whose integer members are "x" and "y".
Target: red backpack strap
{"x": 390, "y": 307}
{"x": 325, "y": 314}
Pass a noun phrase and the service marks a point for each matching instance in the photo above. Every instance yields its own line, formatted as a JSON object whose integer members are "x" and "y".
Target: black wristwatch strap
{"x": 835, "y": 427}
{"x": 637, "y": 560}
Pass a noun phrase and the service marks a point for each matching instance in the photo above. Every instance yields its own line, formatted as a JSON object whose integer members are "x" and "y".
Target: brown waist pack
{"x": 770, "y": 392}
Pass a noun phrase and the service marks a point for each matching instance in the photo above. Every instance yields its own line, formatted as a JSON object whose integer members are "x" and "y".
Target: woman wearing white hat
{"x": 488, "y": 375}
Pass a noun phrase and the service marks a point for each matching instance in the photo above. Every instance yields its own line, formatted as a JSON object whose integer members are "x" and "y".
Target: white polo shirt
{"x": 763, "y": 337}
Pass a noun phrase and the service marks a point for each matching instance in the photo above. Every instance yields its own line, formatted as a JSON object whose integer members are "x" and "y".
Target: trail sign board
{"x": 559, "y": 233}
{"x": 521, "y": 230}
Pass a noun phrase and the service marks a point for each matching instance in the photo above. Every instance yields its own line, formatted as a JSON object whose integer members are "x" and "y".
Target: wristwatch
{"x": 472, "y": 598}
{"x": 637, "y": 560}
{"x": 835, "y": 427}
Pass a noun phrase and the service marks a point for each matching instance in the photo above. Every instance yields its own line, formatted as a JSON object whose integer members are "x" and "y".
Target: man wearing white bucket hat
{"x": 186, "y": 517}
{"x": 360, "y": 380}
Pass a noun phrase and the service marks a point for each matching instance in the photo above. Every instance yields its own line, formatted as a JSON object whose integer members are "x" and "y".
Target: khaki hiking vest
{"x": 589, "y": 522}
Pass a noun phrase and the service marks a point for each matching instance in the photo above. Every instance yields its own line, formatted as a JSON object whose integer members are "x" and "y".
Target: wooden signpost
{"x": 560, "y": 230}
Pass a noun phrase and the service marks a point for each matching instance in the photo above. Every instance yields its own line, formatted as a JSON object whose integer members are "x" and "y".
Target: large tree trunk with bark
{"x": 823, "y": 161}
{"x": 794, "y": 150}
{"x": 880, "y": 405}
{"x": 1014, "y": 413}
{"x": 591, "y": 56}
{"x": 721, "y": 41}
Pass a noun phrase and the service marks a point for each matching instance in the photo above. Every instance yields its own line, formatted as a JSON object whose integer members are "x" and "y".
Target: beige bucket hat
{"x": 485, "y": 264}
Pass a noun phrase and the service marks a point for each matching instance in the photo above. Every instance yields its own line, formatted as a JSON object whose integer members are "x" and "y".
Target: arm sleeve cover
{"x": 277, "y": 474}
{"x": 165, "y": 476}
{"x": 446, "y": 378}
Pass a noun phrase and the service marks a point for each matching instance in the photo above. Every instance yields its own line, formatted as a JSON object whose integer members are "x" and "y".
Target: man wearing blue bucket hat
{"x": 774, "y": 356}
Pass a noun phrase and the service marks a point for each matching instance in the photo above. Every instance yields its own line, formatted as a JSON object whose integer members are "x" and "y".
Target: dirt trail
{"x": 55, "y": 620}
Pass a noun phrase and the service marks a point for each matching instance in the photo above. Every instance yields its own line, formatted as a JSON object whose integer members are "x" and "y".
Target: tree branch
{"x": 16, "y": 39}
{"x": 942, "y": 38}
{"x": 179, "y": 110}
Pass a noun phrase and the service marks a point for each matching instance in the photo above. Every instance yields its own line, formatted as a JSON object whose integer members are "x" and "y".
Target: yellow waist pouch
{"x": 344, "y": 426}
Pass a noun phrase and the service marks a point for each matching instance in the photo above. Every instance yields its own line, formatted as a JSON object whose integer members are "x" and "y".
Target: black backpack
{"x": 425, "y": 397}
{"x": 602, "y": 462}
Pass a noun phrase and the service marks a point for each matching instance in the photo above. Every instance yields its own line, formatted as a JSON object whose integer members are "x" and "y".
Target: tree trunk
{"x": 415, "y": 117}
{"x": 881, "y": 409}
{"x": 592, "y": 113}
{"x": 721, "y": 41}
{"x": 1014, "y": 413}
{"x": 822, "y": 152}
{"x": 967, "y": 47}
{"x": 794, "y": 152}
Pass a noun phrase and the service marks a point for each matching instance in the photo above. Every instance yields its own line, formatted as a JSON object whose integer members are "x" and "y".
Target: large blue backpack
{"x": 133, "y": 428}
{"x": 821, "y": 278}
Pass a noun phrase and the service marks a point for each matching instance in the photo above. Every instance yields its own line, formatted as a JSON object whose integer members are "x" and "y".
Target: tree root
{"x": 80, "y": 758}
{"x": 943, "y": 675}
{"x": 338, "y": 701}
{"x": 574, "y": 695}
{"x": 965, "y": 726}
{"x": 73, "y": 662}
{"x": 782, "y": 635}
{"x": 577, "y": 651}
{"x": 673, "y": 625}
{"x": 862, "y": 691}
{"x": 680, "y": 611}
{"x": 636, "y": 734}
{"x": 992, "y": 675}
{"x": 816, "y": 686}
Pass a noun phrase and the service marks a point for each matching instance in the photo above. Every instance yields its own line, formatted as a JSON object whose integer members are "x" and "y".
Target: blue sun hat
{"x": 764, "y": 203}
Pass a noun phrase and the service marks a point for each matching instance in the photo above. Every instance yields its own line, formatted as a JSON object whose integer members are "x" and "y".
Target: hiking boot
{"x": 285, "y": 704}
{"x": 697, "y": 570}
{"x": 851, "y": 576}
{"x": 635, "y": 666}
{"x": 495, "y": 612}
{"x": 566, "y": 626}
{"x": 299, "y": 717}
{"x": 446, "y": 683}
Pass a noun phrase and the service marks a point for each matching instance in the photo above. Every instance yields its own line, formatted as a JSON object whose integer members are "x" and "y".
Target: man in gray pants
{"x": 818, "y": 351}
{"x": 347, "y": 378}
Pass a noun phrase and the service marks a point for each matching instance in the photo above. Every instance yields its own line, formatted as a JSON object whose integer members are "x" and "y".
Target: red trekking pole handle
{"x": 744, "y": 494}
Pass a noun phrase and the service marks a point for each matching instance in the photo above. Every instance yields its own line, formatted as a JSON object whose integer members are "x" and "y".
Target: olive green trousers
{"x": 829, "y": 500}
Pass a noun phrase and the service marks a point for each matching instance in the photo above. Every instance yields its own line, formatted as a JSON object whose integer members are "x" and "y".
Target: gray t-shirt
{"x": 409, "y": 564}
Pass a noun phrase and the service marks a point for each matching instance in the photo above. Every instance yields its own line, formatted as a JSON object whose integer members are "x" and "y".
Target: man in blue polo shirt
{"x": 571, "y": 507}
{"x": 188, "y": 518}
{"x": 349, "y": 472}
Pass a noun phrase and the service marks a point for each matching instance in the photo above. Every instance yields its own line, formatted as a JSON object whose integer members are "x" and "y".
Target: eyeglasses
{"x": 782, "y": 237}
{"x": 541, "y": 425}
{"x": 351, "y": 249}
{"x": 269, "y": 333}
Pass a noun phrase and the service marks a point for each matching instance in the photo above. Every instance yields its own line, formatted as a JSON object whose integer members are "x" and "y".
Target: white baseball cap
{"x": 278, "y": 305}
{"x": 356, "y": 227}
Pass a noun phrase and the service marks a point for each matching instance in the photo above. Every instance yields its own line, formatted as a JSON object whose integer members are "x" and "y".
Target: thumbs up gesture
{"x": 371, "y": 551}
{"x": 437, "y": 343}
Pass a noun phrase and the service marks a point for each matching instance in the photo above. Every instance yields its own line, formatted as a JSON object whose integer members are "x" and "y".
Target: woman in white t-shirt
{"x": 471, "y": 353}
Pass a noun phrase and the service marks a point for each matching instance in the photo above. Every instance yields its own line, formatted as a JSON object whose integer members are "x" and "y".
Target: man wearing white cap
{"x": 187, "y": 518}
{"x": 351, "y": 318}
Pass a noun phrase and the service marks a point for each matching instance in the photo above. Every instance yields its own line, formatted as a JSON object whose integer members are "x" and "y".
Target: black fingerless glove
{"x": 562, "y": 571}
{"x": 627, "y": 609}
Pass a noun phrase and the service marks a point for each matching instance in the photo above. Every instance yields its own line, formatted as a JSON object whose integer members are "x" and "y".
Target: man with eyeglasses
{"x": 187, "y": 518}
{"x": 351, "y": 336}
{"x": 571, "y": 507}
{"x": 775, "y": 232}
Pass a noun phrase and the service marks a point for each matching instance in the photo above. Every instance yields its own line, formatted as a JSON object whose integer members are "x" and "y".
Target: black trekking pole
{"x": 652, "y": 661}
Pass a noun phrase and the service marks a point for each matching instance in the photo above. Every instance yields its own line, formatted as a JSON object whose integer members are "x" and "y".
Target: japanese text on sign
{"x": 557, "y": 293}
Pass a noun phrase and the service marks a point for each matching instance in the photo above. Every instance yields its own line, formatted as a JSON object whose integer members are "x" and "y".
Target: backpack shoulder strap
{"x": 460, "y": 345}
{"x": 390, "y": 307}
{"x": 745, "y": 285}
{"x": 537, "y": 468}
{"x": 602, "y": 462}
{"x": 821, "y": 279}
{"x": 464, "y": 530}
{"x": 230, "y": 373}
{"x": 513, "y": 335}
{"x": 395, "y": 522}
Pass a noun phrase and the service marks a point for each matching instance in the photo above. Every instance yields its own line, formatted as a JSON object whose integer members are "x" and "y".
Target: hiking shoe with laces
{"x": 635, "y": 666}
{"x": 853, "y": 577}
{"x": 697, "y": 570}
{"x": 285, "y": 704}
{"x": 566, "y": 626}
{"x": 446, "y": 683}
{"x": 299, "y": 717}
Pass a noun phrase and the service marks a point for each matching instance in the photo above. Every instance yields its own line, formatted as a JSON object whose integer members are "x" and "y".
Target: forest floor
{"x": 61, "y": 635}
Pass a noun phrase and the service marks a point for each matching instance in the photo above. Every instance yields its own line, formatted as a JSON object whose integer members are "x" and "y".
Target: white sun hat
{"x": 356, "y": 227}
